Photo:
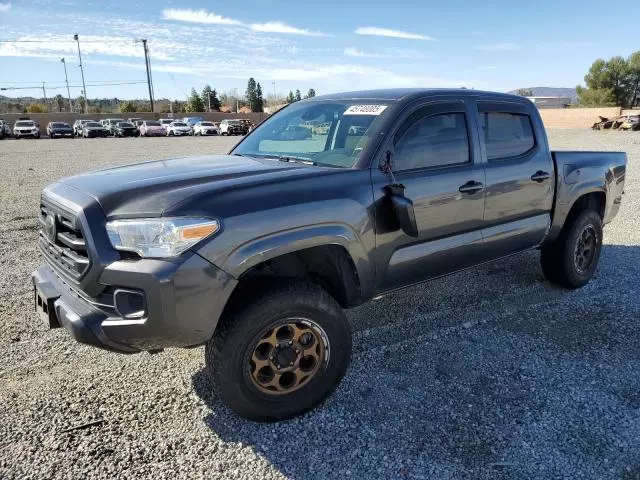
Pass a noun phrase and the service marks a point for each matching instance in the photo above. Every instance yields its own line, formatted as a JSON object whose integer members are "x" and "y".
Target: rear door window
{"x": 506, "y": 135}
{"x": 433, "y": 141}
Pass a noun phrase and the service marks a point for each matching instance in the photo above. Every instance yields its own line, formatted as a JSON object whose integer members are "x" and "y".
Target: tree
{"x": 595, "y": 97}
{"x": 195, "y": 103}
{"x": 37, "y": 108}
{"x": 612, "y": 82}
{"x": 290, "y": 97}
{"x": 80, "y": 103}
{"x": 127, "y": 107}
{"x": 298, "y": 97}
{"x": 634, "y": 78}
{"x": 59, "y": 101}
{"x": 524, "y": 92}
{"x": 251, "y": 94}
{"x": 206, "y": 97}
{"x": 215, "y": 101}
{"x": 311, "y": 93}
{"x": 259, "y": 101}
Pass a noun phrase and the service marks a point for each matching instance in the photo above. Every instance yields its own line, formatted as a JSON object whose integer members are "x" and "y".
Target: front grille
{"x": 63, "y": 245}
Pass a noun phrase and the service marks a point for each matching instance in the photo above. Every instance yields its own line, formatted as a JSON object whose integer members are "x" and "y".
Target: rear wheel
{"x": 281, "y": 355}
{"x": 571, "y": 260}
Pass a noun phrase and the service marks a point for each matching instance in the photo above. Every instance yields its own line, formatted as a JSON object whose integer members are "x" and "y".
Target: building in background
{"x": 551, "y": 102}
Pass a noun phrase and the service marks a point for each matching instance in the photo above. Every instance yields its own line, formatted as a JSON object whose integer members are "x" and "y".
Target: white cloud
{"x": 397, "y": 53}
{"x": 55, "y": 46}
{"x": 354, "y": 52}
{"x": 279, "y": 27}
{"x": 204, "y": 17}
{"x": 387, "y": 32}
{"x": 5, "y": 7}
{"x": 498, "y": 47}
{"x": 197, "y": 16}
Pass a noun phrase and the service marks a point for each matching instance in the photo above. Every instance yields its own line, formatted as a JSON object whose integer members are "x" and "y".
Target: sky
{"x": 332, "y": 45}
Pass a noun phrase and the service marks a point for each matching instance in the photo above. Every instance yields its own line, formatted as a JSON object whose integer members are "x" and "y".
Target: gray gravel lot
{"x": 492, "y": 373}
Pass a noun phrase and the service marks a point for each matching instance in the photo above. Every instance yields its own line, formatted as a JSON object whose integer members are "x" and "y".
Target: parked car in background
{"x": 152, "y": 128}
{"x": 59, "y": 129}
{"x": 137, "y": 124}
{"x": 77, "y": 126}
{"x": 191, "y": 121}
{"x": 205, "y": 128}
{"x": 111, "y": 124}
{"x": 247, "y": 124}
{"x": 26, "y": 128}
{"x": 178, "y": 129}
{"x": 321, "y": 129}
{"x": 125, "y": 129}
{"x": 5, "y": 129}
{"x": 93, "y": 129}
{"x": 232, "y": 127}
{"x": 631, "y": 122}
{"x": 295, "y": 132}
{"x": 133, "y": 120}
{"x": 166, "y": 121}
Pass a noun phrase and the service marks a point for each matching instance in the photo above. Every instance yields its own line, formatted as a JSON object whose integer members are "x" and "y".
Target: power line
{"x": 54, "y": 40}
{"x": 39, "y": 86}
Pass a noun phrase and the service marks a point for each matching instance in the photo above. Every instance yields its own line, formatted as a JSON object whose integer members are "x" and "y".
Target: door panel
{"x": 520, "y": 184}
{"x": 449, "y": 221}
{"x": 518, "y": 235}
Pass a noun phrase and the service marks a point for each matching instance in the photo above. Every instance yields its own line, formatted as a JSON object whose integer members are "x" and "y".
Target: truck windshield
{"x": 331, "y": 133}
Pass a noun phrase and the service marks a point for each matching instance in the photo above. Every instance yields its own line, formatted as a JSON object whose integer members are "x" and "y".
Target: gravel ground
{"x": 492, "y": 373}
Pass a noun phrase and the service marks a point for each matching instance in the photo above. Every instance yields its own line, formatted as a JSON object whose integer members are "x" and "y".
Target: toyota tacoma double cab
{"x": 256, "y": 254}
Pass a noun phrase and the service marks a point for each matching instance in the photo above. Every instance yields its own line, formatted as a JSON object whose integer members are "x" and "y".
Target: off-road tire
{"x": 558, "y": 258}
{"x": 227, "y": 353}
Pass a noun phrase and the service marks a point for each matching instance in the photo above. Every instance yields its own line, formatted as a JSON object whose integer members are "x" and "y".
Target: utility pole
{"x": 148, "y": 65}
{"x": 275, "y": 101}
{"x": 66, "y": 79}
{"x": 44, "y": 92}
{"x": 84, "y": 86}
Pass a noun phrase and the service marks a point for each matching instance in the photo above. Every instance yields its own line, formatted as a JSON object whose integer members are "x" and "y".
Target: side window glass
{"x": 433, "y": 141}
{"x": 506, "y": 134}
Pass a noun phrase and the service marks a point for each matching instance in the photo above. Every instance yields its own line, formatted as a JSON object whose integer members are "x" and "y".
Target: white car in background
{"x": 205, "y": 128}
{"x": 178, "y": 129}
{"x": 26, "y": 128}
{"x": 166, "y": 121}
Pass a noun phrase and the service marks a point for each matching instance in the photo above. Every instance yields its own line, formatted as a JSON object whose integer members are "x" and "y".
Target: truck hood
{"x": 153, "y": 188}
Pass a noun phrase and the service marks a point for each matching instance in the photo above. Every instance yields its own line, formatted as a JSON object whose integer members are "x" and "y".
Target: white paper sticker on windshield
{"x": 365, "y": 110}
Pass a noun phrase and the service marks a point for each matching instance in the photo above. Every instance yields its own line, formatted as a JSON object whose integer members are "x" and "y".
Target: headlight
{"x": 159, "y": 237}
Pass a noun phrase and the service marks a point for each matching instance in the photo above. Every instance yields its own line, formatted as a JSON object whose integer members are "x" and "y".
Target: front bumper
{"x": 96, "y": 133}
{"x": 184, "y": 301}
{"x": 26, "y": 134}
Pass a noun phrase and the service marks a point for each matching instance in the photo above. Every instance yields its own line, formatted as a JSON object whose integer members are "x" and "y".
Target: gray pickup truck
{"x": 255, "y": 254}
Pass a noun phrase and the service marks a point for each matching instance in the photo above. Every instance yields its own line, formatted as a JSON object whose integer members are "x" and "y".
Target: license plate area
{"x": 44, "y": 299}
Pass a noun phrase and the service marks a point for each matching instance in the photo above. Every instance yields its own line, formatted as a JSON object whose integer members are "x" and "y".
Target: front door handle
{"x": 540, "y": 176}
{"x": 471, "y": 187}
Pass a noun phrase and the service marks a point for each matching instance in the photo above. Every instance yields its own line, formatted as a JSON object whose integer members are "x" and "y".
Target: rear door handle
{"x": 471, "y": 187}
{"x": 540, "y": 176}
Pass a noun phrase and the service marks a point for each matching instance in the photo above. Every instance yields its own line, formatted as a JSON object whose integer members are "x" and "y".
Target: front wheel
{"x": 571, "y": 260}
{"x": 281, "y": 355}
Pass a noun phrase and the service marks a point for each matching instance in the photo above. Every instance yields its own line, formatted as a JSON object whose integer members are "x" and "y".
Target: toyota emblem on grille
{"x": 50, "y": 227}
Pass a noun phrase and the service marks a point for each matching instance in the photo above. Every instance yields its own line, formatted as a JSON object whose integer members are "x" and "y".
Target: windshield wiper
{"x": 294, "y": 159}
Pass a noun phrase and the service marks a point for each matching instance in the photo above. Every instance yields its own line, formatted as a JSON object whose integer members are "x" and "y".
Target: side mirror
{"x": 403, "y": 209}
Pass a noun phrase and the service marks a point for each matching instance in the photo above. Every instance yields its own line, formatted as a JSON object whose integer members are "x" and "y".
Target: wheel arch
{"x": 331, "y": 256}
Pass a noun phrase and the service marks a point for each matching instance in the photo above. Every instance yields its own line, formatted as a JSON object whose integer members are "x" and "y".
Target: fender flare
{"x": 250, "y": 254}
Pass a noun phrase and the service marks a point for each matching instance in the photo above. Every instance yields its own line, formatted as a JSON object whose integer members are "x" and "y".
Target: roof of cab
{"x": 398, "y": 94}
